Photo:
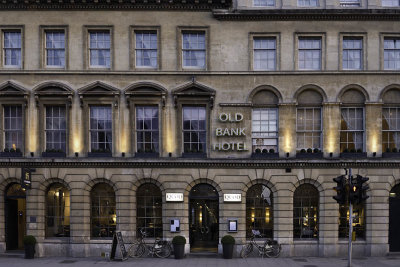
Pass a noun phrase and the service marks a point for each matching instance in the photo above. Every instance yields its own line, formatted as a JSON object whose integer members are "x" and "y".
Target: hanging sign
{"x": 118, "y": 241}
{"x": 232, "y": 197}
{"x": 26, "y": 178}
{"x": 174, "y": 197}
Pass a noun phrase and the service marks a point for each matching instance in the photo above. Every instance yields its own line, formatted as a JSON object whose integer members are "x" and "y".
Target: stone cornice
{"x": 205, "y": 163}
{"x": 191, "y": 5}
{"x": 309, "y": 14}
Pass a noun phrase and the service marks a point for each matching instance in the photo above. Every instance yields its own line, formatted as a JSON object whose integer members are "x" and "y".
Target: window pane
{"x": 57, "y": 222}
{"x": 194, "y": 129}
{"x": 305, "y": 212}
{"x": 149, "y": 210}
{"x": 193, "y": 50}
{"x": 147, "y": 129}
{"x": 103, "y": 211}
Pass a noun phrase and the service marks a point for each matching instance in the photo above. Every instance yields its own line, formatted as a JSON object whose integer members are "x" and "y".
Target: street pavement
{"x": 195, "y": 261}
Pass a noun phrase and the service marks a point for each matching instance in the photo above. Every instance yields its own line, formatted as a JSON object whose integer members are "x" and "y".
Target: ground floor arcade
{"x": 74, "y": 211}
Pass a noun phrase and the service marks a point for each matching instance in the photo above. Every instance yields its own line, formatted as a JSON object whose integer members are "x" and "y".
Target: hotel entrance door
{"x": 203, "y": 218}
{"x": 15, "y": 207}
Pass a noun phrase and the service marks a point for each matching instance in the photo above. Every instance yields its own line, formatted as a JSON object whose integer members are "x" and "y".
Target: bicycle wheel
{"x": 136, "y": 250}
{"x": 246, "y": 250}
{"x": 164, "y": 251}
{"x": 273, "y": 251}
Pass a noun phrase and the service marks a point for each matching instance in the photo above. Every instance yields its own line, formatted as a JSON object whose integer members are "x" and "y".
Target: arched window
{"x": 149, "y": 210}
{"x": 390, "y": 121}
{"x": 352, "y": 121}
{"x": 259, "y": 210}
{"x": 358, "y": 220}
{"x": 264, "y": 122}
{"x": 103, "y": 211}
{"x": 305, "y": 212}
{"x": 57, "y": 211}
{"x": 309, "y": 120}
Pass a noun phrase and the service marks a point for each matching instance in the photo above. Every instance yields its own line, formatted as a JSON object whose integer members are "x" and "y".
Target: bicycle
{"x": 270, "y": 248}
{"x": 160, "y": 248}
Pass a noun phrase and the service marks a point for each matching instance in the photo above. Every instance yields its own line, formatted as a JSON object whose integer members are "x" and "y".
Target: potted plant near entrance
{"x": 179, "y": 246}
{"x": 227, "y": 246}
{"x": 29, "y": 244}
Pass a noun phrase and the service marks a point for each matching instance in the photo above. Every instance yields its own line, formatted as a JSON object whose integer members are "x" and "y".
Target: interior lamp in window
{"x": 266, "y": 215}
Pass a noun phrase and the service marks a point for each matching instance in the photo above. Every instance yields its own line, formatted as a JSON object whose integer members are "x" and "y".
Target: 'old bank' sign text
{"x": 227, "y": 132}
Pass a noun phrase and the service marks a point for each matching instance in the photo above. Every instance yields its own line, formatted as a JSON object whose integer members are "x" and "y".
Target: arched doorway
{"x": 394, "y": 219}
{"x": 203, "y": 218}
{"x": 15, "y": 215}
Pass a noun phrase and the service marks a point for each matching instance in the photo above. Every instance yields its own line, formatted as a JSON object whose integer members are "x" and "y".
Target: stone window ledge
{"x": 101, "y": 241}
{"x": 56, "y": 240}
{"x": 301, "y": 241}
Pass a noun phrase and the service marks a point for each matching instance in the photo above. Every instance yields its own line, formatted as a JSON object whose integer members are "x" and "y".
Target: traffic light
{"x": 354, "y": 192}
{"x": 340, "y": 189}
{"x": 362, "y": 189}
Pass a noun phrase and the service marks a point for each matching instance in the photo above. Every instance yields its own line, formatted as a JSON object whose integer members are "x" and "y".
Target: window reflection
{"x": 149, "y": 210}
{"x": 57, "y": 211}
{"x": 305, "y": 212}
{"x": 103, "y": 211}
{"x": 259, "y": 211}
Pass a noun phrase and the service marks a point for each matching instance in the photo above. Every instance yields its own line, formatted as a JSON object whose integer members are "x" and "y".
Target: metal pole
{"x": 350, "y": 221}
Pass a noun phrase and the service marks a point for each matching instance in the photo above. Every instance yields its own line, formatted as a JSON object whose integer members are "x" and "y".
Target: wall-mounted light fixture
{"x": 169, "y": 154}
{"x": 76, "y": 154}
{"x": 374, "y": 154}
{"x": 331, "y": 154}
{"x": 32, "y": 154}
{"x": 287, "y": 154}
{"x": 123, "y": 154}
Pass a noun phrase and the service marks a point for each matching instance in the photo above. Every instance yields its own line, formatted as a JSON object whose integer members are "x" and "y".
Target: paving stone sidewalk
{"x": 11, "y": 261}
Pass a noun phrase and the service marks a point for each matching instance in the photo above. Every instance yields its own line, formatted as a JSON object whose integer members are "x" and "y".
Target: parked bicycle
{"x": 270, "y": 247}
{"x": 160, "y": 248}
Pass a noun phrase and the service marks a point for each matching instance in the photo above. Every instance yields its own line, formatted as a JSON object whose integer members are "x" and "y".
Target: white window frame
{"x": 321, "y": 50}
{"x": 361, "y": 50}
{"x": 314, "y": 132}
{"x": 307, "y": 3}
{"x": 260, "y": 134}
{"x": 395, "y": 130}
{"x": 260, "y": 3}
{"x": 6, "y": 129}
{"x": 4, "y": 32}
{"x": 56, "y": 130}
{"x": 90, "y": 49}
{"x": 152, "y": 130}
{"x": 353, "y": 131}
{"x": 92, "y": 130}
{"x": 46, "y": 49}
{"x": 391, "y": 3}
{"x": 397, "y": 63}
{"x": 150, "y": 32}
{"x": 203, "y": 50}
{"x": 197, "y": 131}
{"x": 265, "y": 50}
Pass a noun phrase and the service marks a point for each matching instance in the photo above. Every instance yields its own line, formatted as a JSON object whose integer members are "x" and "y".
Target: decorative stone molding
{"x": 197, "y": 5}
{"x": 308, "y": 14}
{"x": 196, "y": 90}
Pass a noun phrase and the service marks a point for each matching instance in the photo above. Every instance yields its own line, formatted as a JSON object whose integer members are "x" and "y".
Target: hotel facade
{"x": 199, "y": 118}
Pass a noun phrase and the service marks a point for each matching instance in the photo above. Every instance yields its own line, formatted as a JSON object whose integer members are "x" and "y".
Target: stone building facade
{"x": 237, "y": 93}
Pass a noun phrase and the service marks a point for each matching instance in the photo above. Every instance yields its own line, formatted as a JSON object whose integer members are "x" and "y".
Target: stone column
{"x": 373, "y": 129}
{"x": 80, "y": 220}
{"x": 331, "y": 129}
{"x": 283, "y": 216}
{"x": 328, "y": 216}
{"x": 377, "y": 214}
{"x": 287, "y": 130}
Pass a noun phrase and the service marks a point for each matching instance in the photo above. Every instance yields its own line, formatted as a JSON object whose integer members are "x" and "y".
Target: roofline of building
{"x": 173, "y": 163}
{"x": 308, "y": 14}
{"x": 167, "y": 5}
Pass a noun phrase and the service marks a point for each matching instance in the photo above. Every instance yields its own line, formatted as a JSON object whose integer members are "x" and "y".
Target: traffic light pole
{"x": 350, "y": 222}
